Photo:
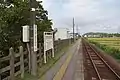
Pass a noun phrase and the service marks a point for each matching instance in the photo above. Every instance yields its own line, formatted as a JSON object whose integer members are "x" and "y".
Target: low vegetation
{"x": 108, "y": 45}
{"x": 112, "y": 42}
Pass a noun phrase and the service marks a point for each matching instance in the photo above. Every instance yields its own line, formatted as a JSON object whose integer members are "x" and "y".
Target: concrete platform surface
{"x": 69, "y": 67}
{"x": 75, "y": 70}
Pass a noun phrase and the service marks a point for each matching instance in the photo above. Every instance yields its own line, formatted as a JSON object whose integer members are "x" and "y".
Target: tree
{"x": 44, "y": 24}
{"x": 12, "y": 19}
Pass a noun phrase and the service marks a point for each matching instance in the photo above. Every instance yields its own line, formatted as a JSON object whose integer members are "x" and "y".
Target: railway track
{"x": 96, "y": 68}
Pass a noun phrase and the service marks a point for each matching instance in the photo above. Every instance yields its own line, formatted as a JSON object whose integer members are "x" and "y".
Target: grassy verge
{"x": 27, "y": 76}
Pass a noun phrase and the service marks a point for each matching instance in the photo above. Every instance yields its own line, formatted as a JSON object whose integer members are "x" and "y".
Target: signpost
{"x": 32, "y": 48}
{"x": 48, "y": 44}
{"x": 26, "y": 39}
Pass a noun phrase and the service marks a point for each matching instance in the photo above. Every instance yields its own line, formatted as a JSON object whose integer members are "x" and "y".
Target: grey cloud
{"x": 90, "y": 15}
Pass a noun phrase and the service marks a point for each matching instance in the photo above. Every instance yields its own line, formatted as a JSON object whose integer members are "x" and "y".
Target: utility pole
{"x": 33, "y": 57}
{"x": 73, "y": 29}
{"x": 77, "y": 29}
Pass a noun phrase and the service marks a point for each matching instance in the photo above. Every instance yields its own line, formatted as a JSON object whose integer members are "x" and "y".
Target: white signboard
{"x": 25, "y": 33}
{"x": 35, "y": 37}
{"x": 48, "y": 44}
{"x": 48, "y": 40}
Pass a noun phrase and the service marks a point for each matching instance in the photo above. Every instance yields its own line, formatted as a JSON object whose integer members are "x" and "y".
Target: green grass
{"x": 111, "y": 42}
{"x": 110, "y": 47}
{"x": 27, "y": 77}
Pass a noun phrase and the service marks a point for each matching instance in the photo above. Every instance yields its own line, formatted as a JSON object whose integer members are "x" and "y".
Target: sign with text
{"x": 48, "y": 44}
{"x": 48, "y": 40}
{"x": 35, "y": 37}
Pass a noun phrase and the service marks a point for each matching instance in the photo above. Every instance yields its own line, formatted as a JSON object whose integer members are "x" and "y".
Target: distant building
{"x": 62, "y": 33}
{"x": 85, "y": 36}
{"x": 75, "y": 35}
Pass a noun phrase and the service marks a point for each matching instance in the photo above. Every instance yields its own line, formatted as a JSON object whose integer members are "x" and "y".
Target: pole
{"x": 73, "y": 30}
{"x": 77, "y": 31}
{"x": 28, "y": 48}
{"x": 33, "y": 56}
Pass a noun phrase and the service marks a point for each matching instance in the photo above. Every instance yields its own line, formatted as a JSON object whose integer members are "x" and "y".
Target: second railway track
{"x": 96, "y": 68}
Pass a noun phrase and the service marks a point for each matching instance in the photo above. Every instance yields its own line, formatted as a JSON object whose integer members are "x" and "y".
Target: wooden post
{"x": 12, "y": 69}
{"x": 47, "y": 55}
{"x": 0, "y": 66}
{"x": 21, "y": 61}
{"x": 55, "y": 47}
{"x": 50, "y": 53}
{"x": 29, "y": 56}
{"x": 40, "y": 63}
{"x": 45, "y": 60}
{"x": 53, "y": 55}
{"x": 0, "y": 77}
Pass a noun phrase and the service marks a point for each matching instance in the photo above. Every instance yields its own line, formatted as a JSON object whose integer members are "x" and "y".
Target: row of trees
{"x": 13, "y": 15}
{"x": 98, "y": 34}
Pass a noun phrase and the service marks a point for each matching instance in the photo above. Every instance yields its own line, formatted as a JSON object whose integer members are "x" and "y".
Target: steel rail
{"x": 107, "y": 65}
{"x": 105, "y": 62}
{"x": 96, "y": 70}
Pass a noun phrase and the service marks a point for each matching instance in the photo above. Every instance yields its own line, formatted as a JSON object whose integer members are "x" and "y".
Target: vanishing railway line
{"x": 96, "y": 68}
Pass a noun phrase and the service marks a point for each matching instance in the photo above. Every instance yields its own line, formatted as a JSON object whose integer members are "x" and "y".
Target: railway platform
{"x": 83, "y": 62}
{"x": 69, "y": 66}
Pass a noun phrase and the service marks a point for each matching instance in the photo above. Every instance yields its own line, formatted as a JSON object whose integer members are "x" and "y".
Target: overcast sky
{"x": 90, "y": 15}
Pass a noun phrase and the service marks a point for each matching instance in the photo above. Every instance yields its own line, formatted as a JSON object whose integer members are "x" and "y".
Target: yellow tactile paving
{"x": 63, "y": 68}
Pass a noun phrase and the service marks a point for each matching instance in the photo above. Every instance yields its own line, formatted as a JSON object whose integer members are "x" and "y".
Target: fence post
{"x": 0, "y": 77}
{"x": 21, "y": 61}
{"x": 0, "y": 67}
{"x": 12, "y": 56}
{"x": 55, "y": 46}
{"x": 49, "y": 54}
{"x": 45, "y": 56}
{"x": 53, "y": 53}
